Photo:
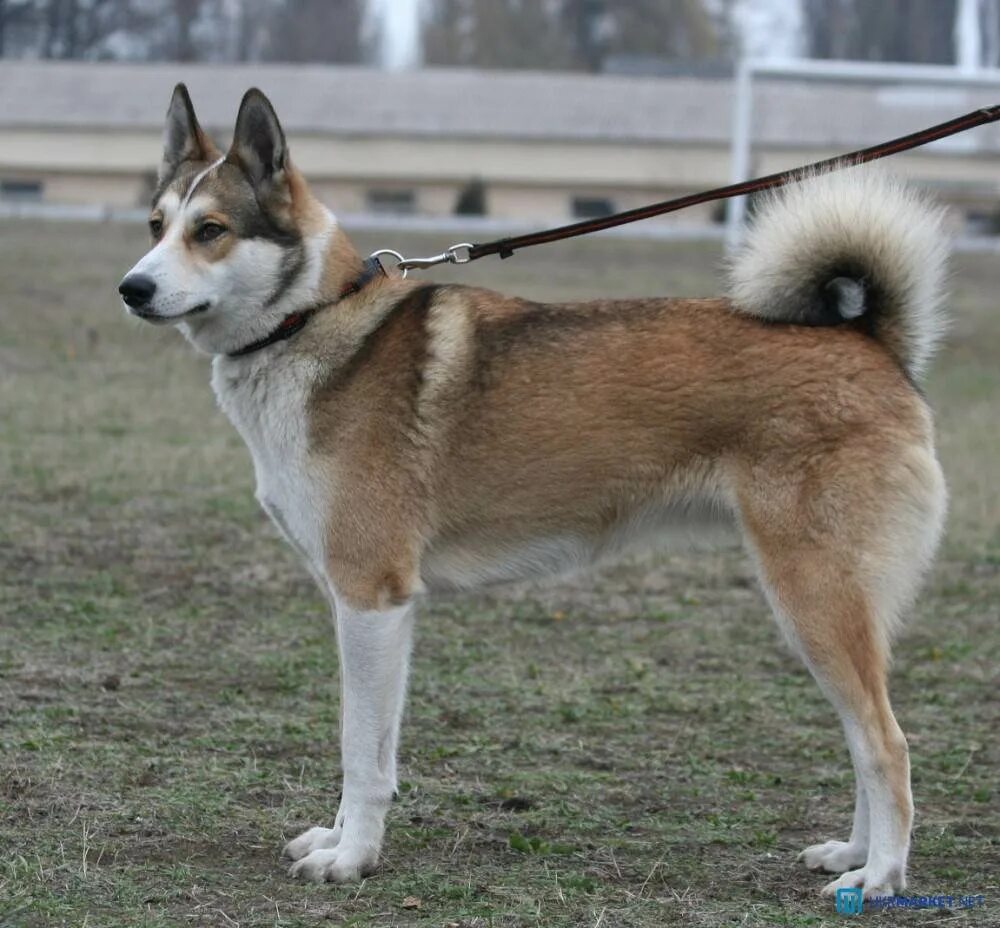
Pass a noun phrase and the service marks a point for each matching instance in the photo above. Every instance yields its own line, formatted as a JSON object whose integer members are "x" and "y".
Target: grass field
{"x": 633, "y": 748}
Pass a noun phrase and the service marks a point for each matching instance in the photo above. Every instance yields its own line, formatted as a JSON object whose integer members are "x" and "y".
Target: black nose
{"x": 137, "y": 290}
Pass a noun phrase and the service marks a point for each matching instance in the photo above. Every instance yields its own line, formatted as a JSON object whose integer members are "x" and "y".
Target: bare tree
{"x": 316, "y": 30}
{"x": 68, "y": 28}
{"x": 565, "y": 34}
{"x": 656, "y": 28}
{"x": 185, "y": 13}
{"x": 54, "y": 14}
{"x": 14, "y": 15}
{"x": 250, "y": 28}
{"x": 991, "y": 33}
{"x": 550, "y": 34}
{"x": 917, "y": 31}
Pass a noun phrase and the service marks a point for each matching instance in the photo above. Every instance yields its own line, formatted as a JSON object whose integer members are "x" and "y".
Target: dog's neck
{"x": 293, "y": 323}
{"x": 341, "y": 266}
{"x": 338, "y": 260}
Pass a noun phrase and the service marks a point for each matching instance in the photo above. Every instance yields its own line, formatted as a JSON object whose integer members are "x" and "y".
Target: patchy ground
{"x": 636, "y": 748}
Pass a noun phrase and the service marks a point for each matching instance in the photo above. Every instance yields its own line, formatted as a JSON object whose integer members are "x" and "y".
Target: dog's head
{"x": 238, "y": 241}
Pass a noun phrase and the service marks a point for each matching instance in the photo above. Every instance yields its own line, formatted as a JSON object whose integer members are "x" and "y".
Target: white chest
{"x": 268, "y": 406}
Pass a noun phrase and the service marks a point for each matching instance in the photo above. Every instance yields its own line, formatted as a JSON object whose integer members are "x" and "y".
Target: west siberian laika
{"x": 409, "y": 437}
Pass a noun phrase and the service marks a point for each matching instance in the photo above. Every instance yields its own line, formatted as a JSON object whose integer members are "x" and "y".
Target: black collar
{"x": 295, "y": 322}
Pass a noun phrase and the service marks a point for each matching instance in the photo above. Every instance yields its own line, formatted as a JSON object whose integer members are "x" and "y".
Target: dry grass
{"x": 634, "y": 748}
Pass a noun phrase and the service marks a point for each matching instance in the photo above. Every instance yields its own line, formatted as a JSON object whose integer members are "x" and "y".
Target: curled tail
{"x": 843, "y": 245}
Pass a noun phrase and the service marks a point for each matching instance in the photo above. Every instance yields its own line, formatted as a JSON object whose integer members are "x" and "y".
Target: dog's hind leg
{"x": 836, "y": 635}
{"x": 374, "y": 656}
{"x": 839, "y": 557}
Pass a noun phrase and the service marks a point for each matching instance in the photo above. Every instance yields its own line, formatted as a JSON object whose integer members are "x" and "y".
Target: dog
{"x": 409, "y": 437}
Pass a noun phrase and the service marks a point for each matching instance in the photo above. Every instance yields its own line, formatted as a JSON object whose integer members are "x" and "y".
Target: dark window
{"x": 21, "y": 191}
{"x": 393, "y": 202}
{"x": 592, "y": 207}
{"x": 981, "y": 222}
{"x": 471, "y": 199}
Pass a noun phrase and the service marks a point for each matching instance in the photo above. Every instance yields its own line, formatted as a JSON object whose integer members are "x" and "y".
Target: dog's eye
{"x": 156, "y": 227}
{"x": 208, "y": 231}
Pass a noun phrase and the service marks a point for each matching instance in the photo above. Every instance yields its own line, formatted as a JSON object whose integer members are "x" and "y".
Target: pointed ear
{"x": 183, "y": 139}
{"x": 258, "y": 142}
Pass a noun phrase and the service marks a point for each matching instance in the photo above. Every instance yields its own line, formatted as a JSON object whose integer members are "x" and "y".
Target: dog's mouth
{"x": 147, "y": 315}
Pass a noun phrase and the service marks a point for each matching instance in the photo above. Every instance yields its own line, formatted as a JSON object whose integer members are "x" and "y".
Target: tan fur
{"x": 572, "y": 426}
{"x": 430, "y": 437}
{"x": 461, "y": 430}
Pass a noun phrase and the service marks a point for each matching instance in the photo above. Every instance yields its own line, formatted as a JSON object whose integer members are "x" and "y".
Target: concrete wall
{"x": 532, "y": 181}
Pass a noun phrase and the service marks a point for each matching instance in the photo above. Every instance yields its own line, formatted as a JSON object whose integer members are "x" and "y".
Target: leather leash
{"x": 505, "y": 247}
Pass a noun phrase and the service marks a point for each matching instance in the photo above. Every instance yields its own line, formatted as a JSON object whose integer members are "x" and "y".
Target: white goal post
{"x": 749, "y": 69}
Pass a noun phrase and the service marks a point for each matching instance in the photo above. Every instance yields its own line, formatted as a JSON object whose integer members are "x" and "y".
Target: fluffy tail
{"x": 848, "y": 244}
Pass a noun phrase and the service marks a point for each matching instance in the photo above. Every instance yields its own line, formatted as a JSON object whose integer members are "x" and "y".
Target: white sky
{"x": 400, "y": 24}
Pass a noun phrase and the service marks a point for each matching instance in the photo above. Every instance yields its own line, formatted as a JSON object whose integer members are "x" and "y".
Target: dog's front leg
{"x": 374, "y": 657}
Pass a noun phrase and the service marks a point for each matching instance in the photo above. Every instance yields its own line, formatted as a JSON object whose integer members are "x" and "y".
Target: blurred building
{"x": 511, "y": 145}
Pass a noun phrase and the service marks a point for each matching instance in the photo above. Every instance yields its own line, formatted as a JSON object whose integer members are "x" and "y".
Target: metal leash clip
{"x": 456, "y": 254}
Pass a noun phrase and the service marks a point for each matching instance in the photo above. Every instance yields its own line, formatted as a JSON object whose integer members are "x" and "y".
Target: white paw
{"x": 314, "y": 839}
{"x": 873, "y": 882}
{"x": 834, "y": 856}
{"x": 335, "y": 865}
